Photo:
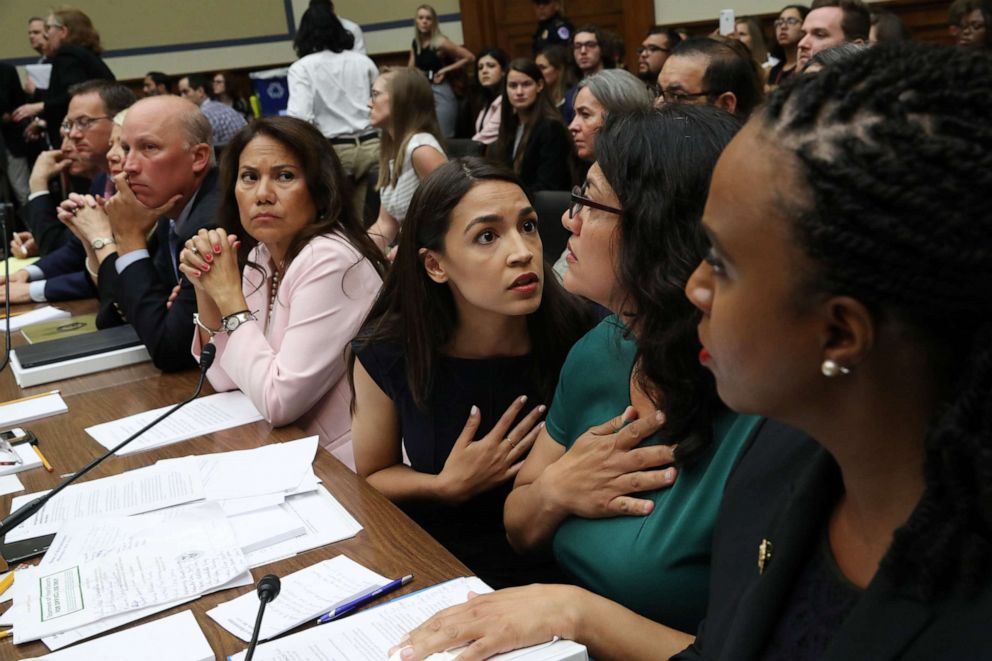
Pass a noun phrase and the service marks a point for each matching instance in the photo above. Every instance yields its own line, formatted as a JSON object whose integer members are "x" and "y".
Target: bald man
{"x": 167, "y": 192}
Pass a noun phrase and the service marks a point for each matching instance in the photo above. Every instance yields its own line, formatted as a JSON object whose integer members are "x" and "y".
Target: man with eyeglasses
{"x": 592, "y": 52}
{"x": 652, "y": 53}
{"x": 552, "y": 27}
{"x": 712, "y": 71}
{"x": 59, "y": 275}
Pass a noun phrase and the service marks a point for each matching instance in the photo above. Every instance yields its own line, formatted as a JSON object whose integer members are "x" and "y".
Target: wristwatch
{"x": 209, "y": 331}
{"x": 96, "y": 244}
{"x": 232, "y": 322}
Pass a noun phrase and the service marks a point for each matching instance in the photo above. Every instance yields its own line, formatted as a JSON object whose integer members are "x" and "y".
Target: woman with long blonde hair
{"x": 410, "y": 147}
{"x": 435, "y": 56}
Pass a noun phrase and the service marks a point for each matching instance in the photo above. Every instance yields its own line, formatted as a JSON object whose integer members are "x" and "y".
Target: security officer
{"x": 552, "y": 27}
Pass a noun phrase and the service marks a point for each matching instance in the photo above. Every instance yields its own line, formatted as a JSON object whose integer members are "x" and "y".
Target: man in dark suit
{"x": 59, "y": 275}
{"x": 166, "y": 193}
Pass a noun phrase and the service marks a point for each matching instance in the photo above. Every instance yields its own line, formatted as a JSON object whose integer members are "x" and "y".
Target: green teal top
{"x": 657, "y": 565}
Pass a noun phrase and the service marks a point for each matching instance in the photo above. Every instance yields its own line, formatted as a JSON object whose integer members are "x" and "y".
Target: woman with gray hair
{"x": 609, "y": 91}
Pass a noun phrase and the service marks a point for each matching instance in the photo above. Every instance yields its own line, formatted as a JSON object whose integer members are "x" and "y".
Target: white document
{"x": 133, "y": 492}
{"x": 265, "y": 527}
{"x": 18, "y": 412}
{"x": 10, "y": 484}
{"x": 41, "y": 315}
{"x": 326, "y": 520}
{"x": 305, "y": 595}
{"x": 40, "y": 74}
{"x": 174, "y": 638}
{"x": 29, "y": 460}
{"x": 272, "y": 468}
{"x": 204, "y": 415}
{"x": 370, "y": 634}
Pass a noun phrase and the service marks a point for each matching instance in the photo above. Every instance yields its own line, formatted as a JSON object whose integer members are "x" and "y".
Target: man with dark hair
{"x": 59, "y": 274}
{"x": 156, "y": 83}
{"x": 224, "y": 120}
{"x": 358, "y": 45}
{"x": 593, "y": 50}
{"x": 552, "y": 27}
{"x": 166, "y": 194}
{"x": 830, "y": 23}
{"x": 717, "y": 72}
{"x": 653, "y": 52}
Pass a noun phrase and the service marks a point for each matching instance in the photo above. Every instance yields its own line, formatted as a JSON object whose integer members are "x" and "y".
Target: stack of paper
{"x": 47, "y": 313}
{"x": 370, "y": 634}
{"x": 304, "y": 596}
{"x": 26, "y": 409}
{"x": 174, "y": 638}
{"x": 201, "y": 416}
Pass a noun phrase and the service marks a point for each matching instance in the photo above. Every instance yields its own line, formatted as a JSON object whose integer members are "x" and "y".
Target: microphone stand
{"x": 27, "y": 510}
{"x": 268, "y": 590}
{"x": 6, "y": 287}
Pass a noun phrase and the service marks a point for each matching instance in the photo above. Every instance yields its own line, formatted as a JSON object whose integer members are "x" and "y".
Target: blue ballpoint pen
{"x": 364, "y": 599}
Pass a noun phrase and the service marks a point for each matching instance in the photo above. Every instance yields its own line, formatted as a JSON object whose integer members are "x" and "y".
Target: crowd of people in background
{"x": 752, "y": 391}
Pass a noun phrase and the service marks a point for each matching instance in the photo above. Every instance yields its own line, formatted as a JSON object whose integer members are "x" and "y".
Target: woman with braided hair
{"x": 853, "y": 302}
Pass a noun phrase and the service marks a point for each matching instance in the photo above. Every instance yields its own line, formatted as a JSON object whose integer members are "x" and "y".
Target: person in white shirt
{"x": 350, "y": 26}
{"x": 329, "y": 87}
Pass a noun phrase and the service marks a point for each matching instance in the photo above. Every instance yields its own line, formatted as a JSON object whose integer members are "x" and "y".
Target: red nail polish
{"x": 196, "y": 274}
{"x": 217, "y": 249}
{"x": 208, "y": 257}
{"x": 205, "y": 267}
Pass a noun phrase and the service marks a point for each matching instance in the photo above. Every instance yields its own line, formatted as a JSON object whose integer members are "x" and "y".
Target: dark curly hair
{"x": 321, "y": 30}
{"x": 659, "y": 164}
{"x": 895, "y": 150}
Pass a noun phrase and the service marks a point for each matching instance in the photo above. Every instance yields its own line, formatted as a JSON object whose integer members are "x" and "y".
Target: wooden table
{"x": 390, "y": 543}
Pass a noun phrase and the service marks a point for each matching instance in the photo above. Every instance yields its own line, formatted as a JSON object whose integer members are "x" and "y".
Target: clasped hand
{"x": 85, "y": 217}
{"x": 474, "y": 466}
{"x": 595, "y": 477}
{"x": 210, "y": 261}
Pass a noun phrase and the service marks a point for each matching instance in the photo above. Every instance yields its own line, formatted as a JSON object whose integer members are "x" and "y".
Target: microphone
{"x": 27, "y": 510}
{"x": 268, "y": 590}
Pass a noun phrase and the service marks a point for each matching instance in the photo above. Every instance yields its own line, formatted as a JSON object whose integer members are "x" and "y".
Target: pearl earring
{"x": 832, "y": 368}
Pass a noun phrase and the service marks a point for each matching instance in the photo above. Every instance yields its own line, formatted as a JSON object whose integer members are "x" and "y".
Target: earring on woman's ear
{"x": 832, "y": 368}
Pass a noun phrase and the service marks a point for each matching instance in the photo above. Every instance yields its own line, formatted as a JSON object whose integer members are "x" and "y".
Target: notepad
{"x": 18, "y": 411}
{"x": 46, "y": 313}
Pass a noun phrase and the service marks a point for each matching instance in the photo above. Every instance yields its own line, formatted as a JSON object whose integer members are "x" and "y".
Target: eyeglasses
{"x": 678, "y": 96}
{"x": 82, "y": 123}
{"x": 651, "y": 48}
{"x": 974, "y": 26}
{"x": 580, "y": 200}
{"x": 792, "y": 22}
{"x": 585, "y": 45}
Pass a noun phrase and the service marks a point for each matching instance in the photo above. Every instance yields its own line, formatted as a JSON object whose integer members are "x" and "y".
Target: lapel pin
{"x": 764, "y": 555}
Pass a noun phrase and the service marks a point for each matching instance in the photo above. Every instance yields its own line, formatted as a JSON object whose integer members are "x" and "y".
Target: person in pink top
{"x": 284, "y": 283}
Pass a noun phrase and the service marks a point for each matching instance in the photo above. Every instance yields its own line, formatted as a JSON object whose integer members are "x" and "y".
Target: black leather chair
{"x": 550, "y": 205}
{"x": 459, "y": 147}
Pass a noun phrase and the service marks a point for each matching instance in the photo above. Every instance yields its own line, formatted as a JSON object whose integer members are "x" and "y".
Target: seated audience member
{"x": 873, "y": 341}
{"x": 166, "y": 194}
{"x": 155, "y": 83}
{"x": 490, "y": 73}
{"x": 714, "y": 72}
{"x": 72, "y": 46}
{"x": 456, "y": 361}
{"x": 553, "y": 29}
{"x": 13, "y": 150}
{"x": 435, "y": 56}
{"x": 89, "y": 136}
{"x": 886, "y": 26}
{"x": 747, "y": 30}
{"x": 788, "y": 33}
{"x": 610, "y": 91}
{"x": 532, "y": 140}
{"x": 411, "y": 145}
{"x": 224, "y": 121}
{"x": 226, "y": 92}
{"x": 557, "y": 71}
{"x": 831, "y": 23}
{"x": 973, "y": 25}
{"x": 283, "y": 305}
{"x": 592, "y": 51}
{"x": 607, "y": 502}
{"x": 329, "y": 87}
{"x": 652, "y": 53}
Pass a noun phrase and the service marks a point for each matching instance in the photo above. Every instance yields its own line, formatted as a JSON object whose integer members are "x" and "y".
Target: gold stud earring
{"x": 832, "y": 368}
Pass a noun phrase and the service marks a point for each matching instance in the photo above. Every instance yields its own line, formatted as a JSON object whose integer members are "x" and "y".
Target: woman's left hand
{"x": 496, "y": 622}
{"x": 438, "y": 77}
{"x": 27, "y": 110}
{"x": 209, "y": 259}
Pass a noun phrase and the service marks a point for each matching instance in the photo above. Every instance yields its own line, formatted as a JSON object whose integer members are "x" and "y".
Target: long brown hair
{"x": 510, "y": 120}
{"x": 329, "y": 189}
{"x": 411, "y": 103}
{"x": 79, "y": 27}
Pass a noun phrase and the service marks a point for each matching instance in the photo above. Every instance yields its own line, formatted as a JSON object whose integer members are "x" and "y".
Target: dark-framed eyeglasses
{"x": 585, "y": 45}
{"x": 791, "y": 21}
{"x": 81, "y": 123}
{"x": 678, "y": 96}
{"x": 580, "y": 200}
{"x": 652, "y": 49}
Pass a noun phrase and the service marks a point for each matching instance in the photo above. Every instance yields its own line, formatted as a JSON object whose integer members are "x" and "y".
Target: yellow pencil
{"x": 44, "y": 461}
{"x": 6, "y": 582}
{"x": 24, "y": 399}
{"x": 6, "y": 634}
